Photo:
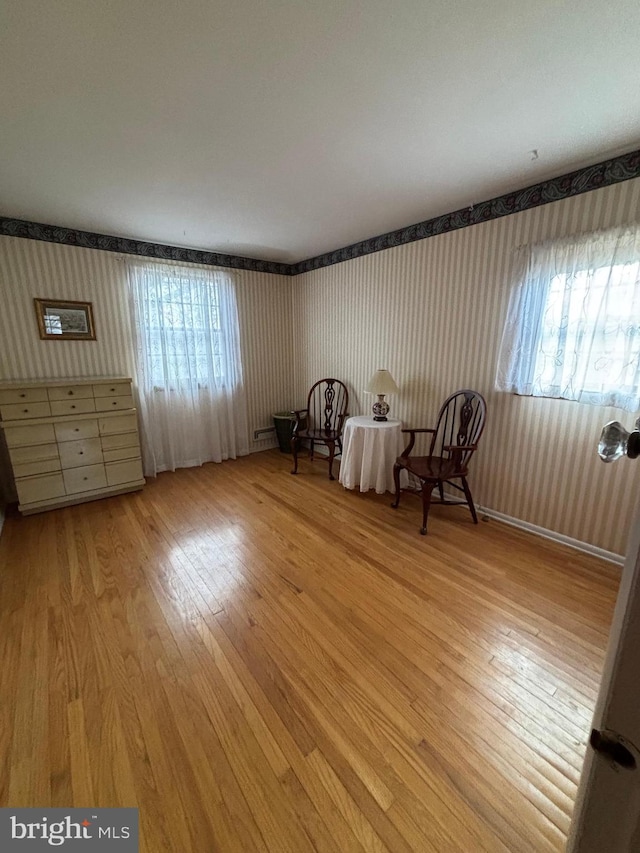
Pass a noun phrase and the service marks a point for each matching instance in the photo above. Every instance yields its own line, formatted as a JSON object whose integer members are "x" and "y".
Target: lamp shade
{"x": 382, "y": 382}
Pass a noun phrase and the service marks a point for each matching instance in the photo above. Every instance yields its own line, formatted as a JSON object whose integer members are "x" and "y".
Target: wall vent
{"x": 258, "y": 433}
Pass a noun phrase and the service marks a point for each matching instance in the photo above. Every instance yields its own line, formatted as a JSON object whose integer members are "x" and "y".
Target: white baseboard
{"x": 551, "y": 534}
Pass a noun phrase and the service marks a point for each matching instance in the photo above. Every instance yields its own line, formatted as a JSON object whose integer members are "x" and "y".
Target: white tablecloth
{"x": 369, "y": 449}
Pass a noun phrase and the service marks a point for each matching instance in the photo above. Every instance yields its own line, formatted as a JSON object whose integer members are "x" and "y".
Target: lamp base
{"x": 380, "y": 409}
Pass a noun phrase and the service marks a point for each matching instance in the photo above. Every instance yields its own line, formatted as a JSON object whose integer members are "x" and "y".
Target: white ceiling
{"x": 282, "y": 129}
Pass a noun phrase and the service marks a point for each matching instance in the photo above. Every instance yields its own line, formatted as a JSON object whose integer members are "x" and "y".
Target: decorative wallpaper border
{"x": 89, "y": 240}
{"x": 609, "y": 172}
{"x": 622, "y": 168}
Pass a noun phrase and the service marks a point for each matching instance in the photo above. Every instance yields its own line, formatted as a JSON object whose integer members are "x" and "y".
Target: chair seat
{"x": 430, "y": 467}
{"x": 320, "y": 434}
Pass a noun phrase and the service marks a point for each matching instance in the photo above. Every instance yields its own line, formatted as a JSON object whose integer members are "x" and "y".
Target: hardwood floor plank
{"x": 349, "y": 809}
{"x": 281, "y": 730}
{"x": 375, "y": 725}
{"x": 274, "y": 755}
{"x": 268, "y": 676}
{"x": 256, "y": 780}
{"x": 79, "y": 751}
{"x": 311, "y": 687}
{"x": 11, "y": 699}
{"x": 319, "y": 833}
{"x": 221, "y": 802}
{"x": 29, "y": 763}
{"x": 269, "y": 663}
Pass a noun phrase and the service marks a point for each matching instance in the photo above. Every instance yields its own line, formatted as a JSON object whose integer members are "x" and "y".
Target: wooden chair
{"x": 455, "y": 439}
{"x": 322, "y": 421}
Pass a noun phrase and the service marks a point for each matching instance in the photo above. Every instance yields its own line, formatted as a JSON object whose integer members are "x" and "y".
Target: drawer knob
{"x": 25, "y": 411}
{"x": 77, "y": 429}
{"x": 114, "y": 403}
{"x": 81, "y": 452}
{"x": 112, "y": 389}
{"x": 85, "y": 478}
{"x": 70, "y": 393}
{"x": 73, "y": 407}
{"x": 23, "y": 395}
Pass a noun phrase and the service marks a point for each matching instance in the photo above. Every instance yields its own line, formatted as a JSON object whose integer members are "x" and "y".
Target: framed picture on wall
{"x": 65, "y": 321}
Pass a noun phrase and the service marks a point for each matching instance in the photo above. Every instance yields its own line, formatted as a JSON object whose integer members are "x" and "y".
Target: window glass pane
{"x": 589, "y": 335}
{"x": 183, "y": 331}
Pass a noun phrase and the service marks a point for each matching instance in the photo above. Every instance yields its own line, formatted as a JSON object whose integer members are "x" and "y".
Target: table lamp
{"x": 381, "y": 383}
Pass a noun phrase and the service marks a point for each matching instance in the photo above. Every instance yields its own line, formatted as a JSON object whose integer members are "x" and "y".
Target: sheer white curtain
{"x": 573, "y": 324}
{"x": 189, "y": 374}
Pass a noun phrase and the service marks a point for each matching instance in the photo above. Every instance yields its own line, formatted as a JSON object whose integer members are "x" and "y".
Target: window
{"x": 184, "y": 336}
{"x": 573, "y": 326}
{"x": 188, "y": 365}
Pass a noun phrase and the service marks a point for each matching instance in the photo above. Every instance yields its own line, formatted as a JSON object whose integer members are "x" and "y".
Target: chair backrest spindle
{"x": 328, "y": 403}
{"x": 460, "y": 422}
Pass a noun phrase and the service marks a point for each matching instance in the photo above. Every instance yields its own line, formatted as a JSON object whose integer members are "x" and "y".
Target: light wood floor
{"x": 263, "y": 662}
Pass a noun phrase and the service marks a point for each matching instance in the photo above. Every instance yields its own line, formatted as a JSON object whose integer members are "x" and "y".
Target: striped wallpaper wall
{"x": 31, "y": 268}
{"x": 432, "y": 313}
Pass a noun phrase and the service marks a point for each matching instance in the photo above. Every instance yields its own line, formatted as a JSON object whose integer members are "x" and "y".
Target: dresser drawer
{"x": 25, "y": 435}
{"x": 115, "y": 389}
{"x": 72, "y": 430}
{"x": 84, "y": 479}
{"x": 22, "y": 395}
{"x": 124, "y": 423}
{"x": 32, "y": 489}
{"x": 72, "y": 406}
{"x": 86, "y": 451}
{"x": 124, "y": 472}
{"x": 34, "y": 453}
{"x": 113, "y": 404}
{"x": 39, "y": 459}
{"x": 123, "y": 439}
{"x": 38, "y": 466}
{"x": 66, "y": 392}
{"x": 21, "y": 411}
{"x": 121, "y": 453}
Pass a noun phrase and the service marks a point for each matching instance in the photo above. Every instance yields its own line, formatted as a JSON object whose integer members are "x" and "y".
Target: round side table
{"x": 369, "y": 449}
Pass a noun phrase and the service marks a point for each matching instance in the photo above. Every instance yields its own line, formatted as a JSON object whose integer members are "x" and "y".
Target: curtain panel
{"x": 192, "y": 399}
{"x": 573, "y": 322}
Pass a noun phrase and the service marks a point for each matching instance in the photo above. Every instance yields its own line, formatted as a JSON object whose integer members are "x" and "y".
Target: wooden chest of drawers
{"x": 70, "y": 441}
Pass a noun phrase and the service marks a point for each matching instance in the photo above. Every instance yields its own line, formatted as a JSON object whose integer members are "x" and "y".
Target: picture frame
{"x": 62, "y": 320}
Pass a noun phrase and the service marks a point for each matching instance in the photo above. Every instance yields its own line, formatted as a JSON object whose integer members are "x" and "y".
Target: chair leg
{"x": 467, "y": 494}
{"x": 427, "y": 488}
{"x": 396, "y": 482}
{"x": 311, "y": 449}
{"x": 441, "y": 490}
{"x": 332, "y": 453}
{"x": 294, "y": 449}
